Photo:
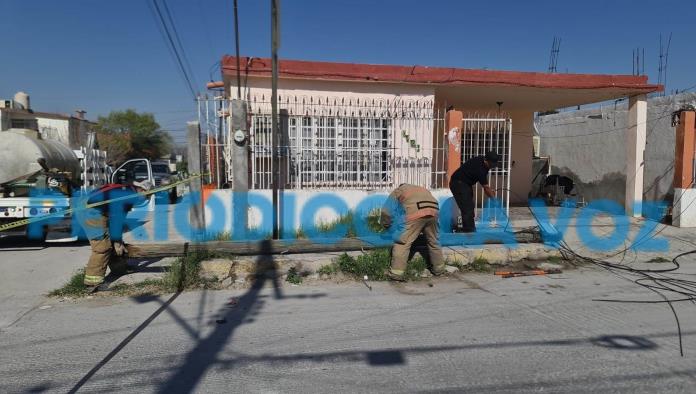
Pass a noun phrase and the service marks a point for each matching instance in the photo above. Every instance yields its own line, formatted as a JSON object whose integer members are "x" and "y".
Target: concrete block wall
{"x": 589, "y": 146}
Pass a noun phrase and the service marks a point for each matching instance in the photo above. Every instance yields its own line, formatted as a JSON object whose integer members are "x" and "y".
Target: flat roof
{"x": 441, "y": 76}
{"x": 463, "y": 88}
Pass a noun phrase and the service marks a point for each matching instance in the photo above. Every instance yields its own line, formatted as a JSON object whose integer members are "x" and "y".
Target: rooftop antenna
{"x": 662, "y": 66}
{"x": 659, "y": 66}
{"x": 639, "y": 61}
{"x": 553, "y": 58}
{"x": 669, "y": 41}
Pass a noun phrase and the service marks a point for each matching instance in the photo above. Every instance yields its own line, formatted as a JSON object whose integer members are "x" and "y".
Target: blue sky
{"x": 109, "y": 55}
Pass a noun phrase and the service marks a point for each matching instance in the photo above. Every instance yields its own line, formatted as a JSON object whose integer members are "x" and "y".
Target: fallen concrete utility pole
{"x": 286, "y": 246}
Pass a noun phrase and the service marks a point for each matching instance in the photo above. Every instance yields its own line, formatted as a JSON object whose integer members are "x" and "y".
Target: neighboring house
{"x": 71, "y": 130}
{"x": 371, "y": 127}
{"x": 588, "y": 146}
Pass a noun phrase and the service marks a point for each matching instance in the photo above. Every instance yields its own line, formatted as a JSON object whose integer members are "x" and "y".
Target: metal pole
{"x": 236, "y": 39}
{"x": 274, "y": 113}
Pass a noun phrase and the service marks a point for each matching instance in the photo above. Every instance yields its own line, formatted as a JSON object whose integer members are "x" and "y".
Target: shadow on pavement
{"x": 205, "y": 354}
{"x": 235, "y": 313}
{"x": 395, "y": 356}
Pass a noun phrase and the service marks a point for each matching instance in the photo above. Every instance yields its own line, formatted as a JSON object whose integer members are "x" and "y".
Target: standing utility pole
{"x": 236, "y": 39}
{"x": 274, "y": 114}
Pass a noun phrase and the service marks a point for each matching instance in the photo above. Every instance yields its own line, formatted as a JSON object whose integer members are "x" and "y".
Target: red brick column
{"x": 453, "y": 135}
{"x": 684, "y": 151}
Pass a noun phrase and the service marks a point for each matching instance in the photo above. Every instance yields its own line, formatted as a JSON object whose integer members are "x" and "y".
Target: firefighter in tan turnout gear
{"x": 108, "y": 249}
{"x": 410, "y": 210}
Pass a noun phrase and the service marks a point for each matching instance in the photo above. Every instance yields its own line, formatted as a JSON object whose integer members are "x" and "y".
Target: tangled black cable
{"x": 655, "y": 280}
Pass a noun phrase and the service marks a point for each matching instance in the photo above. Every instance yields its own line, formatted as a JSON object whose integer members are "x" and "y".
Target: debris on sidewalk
{"x": 513, "y": 274}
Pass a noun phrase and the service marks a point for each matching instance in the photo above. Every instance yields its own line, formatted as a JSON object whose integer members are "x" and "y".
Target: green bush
{"x": 293, "y": 276}
{"x": 373, "y": 264}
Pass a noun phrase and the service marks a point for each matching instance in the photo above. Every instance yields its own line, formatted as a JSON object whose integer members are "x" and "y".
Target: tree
{"x": 128, "y": 134}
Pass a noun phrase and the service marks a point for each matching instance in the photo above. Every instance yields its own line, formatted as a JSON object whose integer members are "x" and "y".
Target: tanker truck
{"x": 40, "y": 176}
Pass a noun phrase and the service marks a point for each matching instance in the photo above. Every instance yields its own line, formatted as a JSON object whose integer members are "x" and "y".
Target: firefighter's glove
{"x": 120, "y": 249}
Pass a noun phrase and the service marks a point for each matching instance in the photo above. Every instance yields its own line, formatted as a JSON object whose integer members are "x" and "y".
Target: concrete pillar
{"x": 453, "y": 128}
{"x": 635, "y": 153}
{"x": 240, "y": 166}
{"x": 684, "y": 207}
{"x": 197, "y": 217}
{"x": 453, "y": 134}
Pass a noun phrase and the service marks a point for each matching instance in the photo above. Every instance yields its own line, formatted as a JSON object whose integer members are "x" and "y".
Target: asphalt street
{"x": 469, "y": 333}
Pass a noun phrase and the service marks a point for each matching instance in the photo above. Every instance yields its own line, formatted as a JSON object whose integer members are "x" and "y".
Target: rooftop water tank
{"x": 22, "y": 99}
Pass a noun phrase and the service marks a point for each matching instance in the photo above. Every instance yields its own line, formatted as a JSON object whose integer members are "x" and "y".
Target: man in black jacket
{"x": 462, "y": 185}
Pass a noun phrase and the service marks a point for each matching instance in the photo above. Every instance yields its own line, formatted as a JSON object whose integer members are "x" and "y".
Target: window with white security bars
{"x": 339, "y": 152}
{"x": 347, "y": 143}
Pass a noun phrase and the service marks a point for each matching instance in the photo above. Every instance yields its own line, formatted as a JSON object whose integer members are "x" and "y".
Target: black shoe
{"x": 120, "y": 272}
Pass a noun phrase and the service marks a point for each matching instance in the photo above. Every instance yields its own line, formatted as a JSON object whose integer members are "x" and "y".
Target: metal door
{"x": 480, "y": 135}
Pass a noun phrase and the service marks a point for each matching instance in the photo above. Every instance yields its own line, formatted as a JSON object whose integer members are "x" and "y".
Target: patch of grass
{"x": 415, "y": 268}
{"x": 185, "y": 272}
{"x": 293, "y": 276}
{"x": 373, "y": 221}
{"x": 74, "y": 288}
{"x": 329, "y": 269}
{"x": 147, "y": 286}
{"x": 347, "y": 220}
{"x": 658, "y": 259}
{"x": 375, "y": 263}
{"x": 223, "y": 236}
{"x": 480, "y": 264}
{"x": 300, "y": 233}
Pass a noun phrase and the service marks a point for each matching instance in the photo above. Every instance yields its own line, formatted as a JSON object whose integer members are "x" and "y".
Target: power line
{"x": 178, "y": 40}
{"x": 173, "y": 48}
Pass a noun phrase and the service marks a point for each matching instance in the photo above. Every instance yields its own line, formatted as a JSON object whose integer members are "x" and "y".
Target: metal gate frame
{"x": 480, "y": 135}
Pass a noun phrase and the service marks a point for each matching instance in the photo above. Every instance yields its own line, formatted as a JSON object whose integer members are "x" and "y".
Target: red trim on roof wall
{"x": 299, "y": 69}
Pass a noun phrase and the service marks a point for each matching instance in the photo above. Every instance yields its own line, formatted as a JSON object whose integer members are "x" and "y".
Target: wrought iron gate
{"x": 480, "y": 135}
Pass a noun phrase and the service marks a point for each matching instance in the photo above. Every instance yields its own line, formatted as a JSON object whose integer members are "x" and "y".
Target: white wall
{"x": 589, "y": 146}
{"x": 352, "y": 198}
{"x": 54, "y": 129}
{"x": 411, "y": 164}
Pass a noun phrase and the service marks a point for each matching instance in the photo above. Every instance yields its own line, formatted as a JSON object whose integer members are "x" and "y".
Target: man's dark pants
{"x": 464, "y": 196}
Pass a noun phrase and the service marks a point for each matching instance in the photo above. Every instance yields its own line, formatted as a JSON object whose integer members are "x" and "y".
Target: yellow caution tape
{"x": 24, "y": 222}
